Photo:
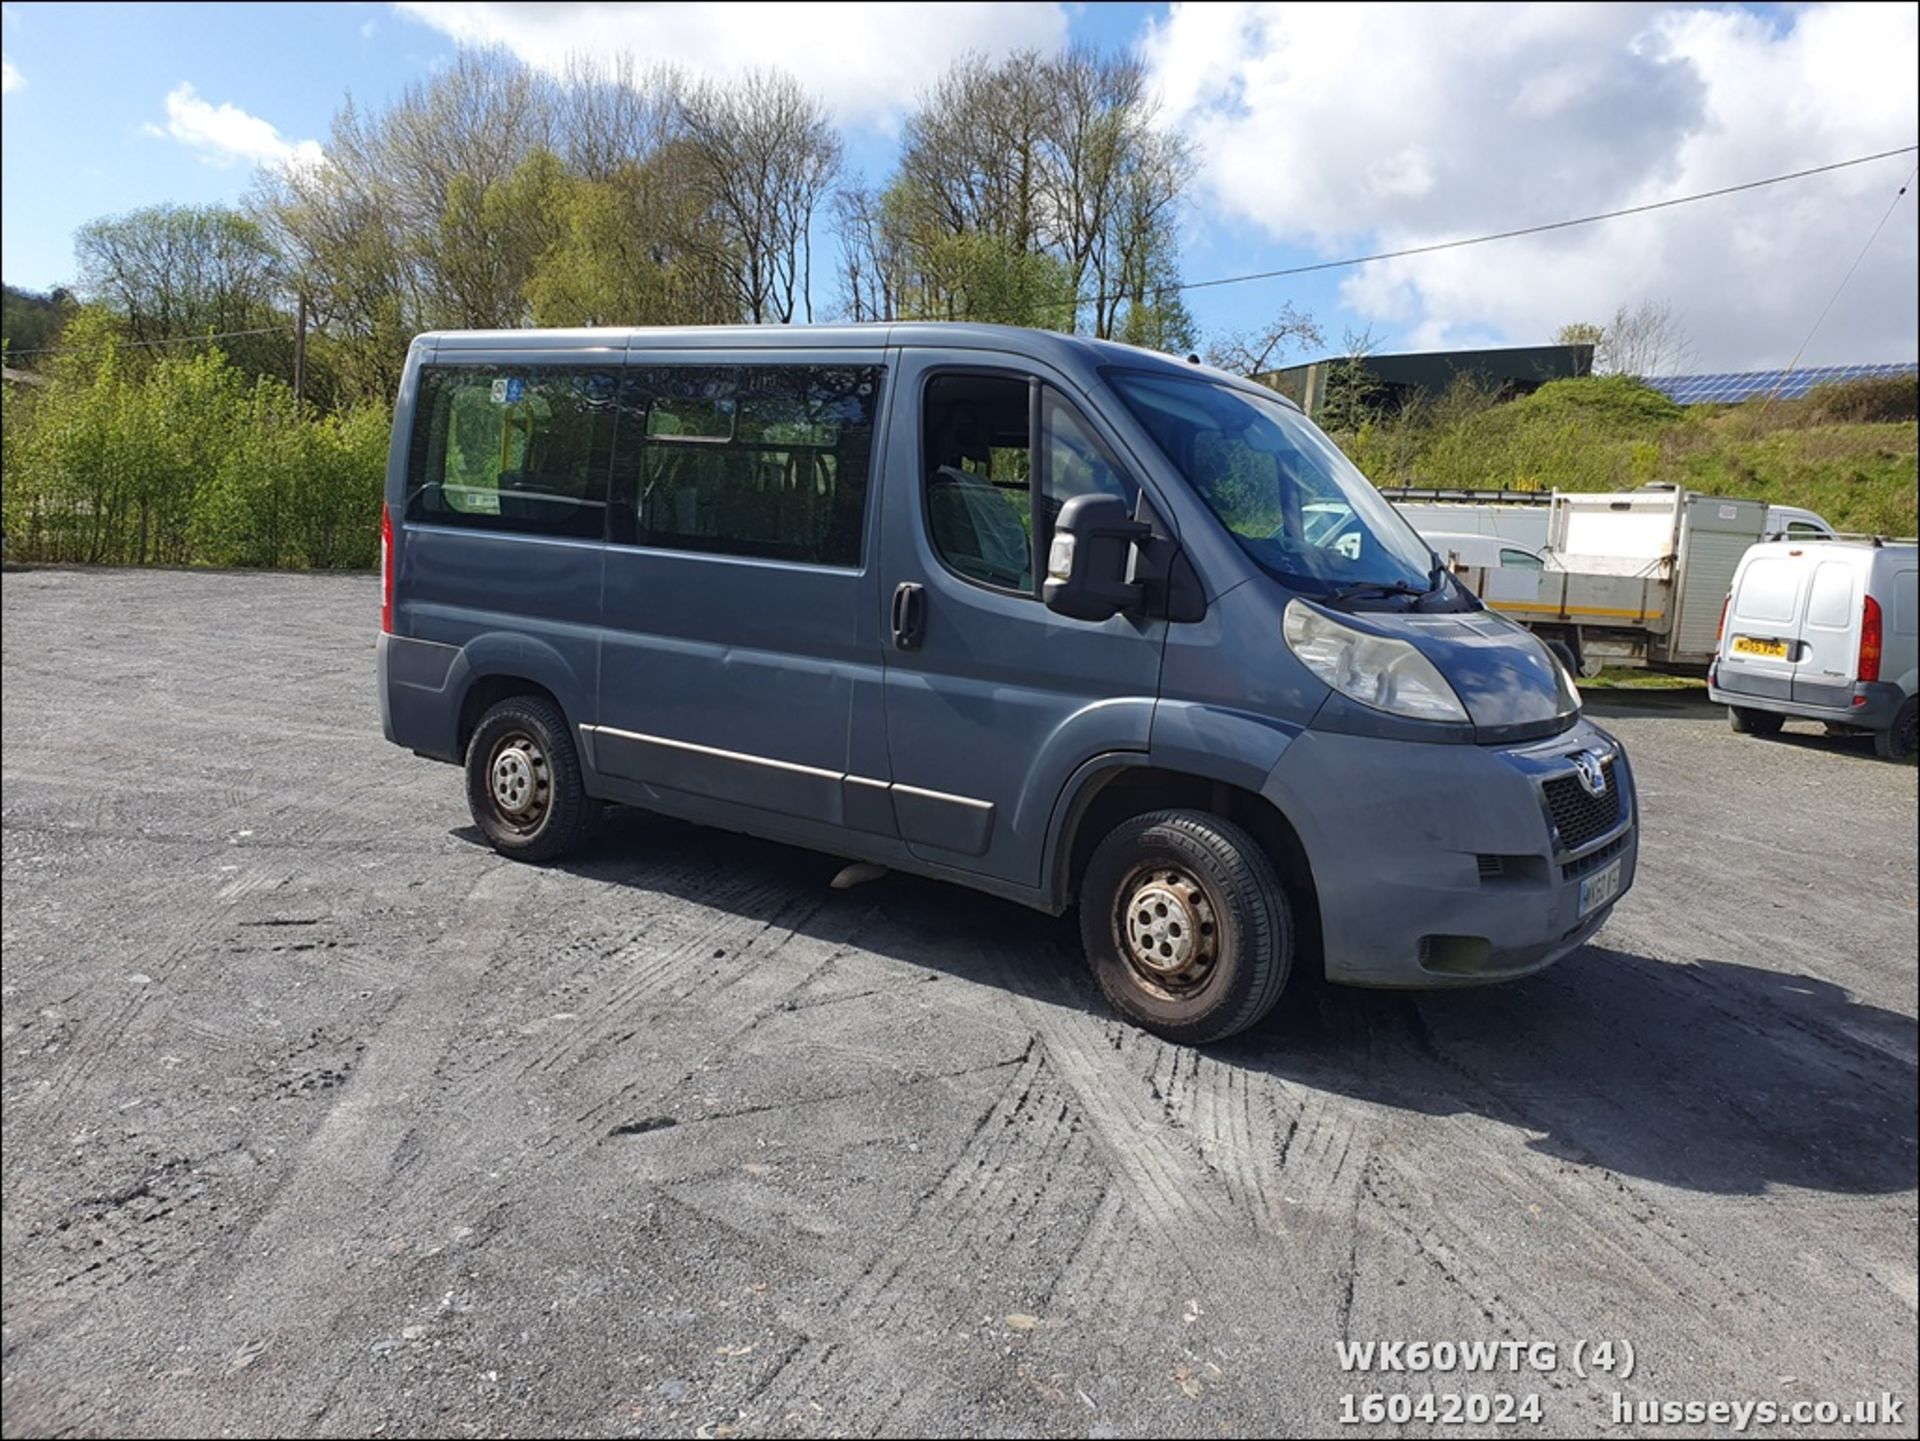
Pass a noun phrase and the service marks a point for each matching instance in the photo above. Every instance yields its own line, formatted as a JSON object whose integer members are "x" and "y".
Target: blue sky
{"x": 1323, "y": 131}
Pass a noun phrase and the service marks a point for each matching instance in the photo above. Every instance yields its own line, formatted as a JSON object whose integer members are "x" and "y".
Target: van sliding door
{"x": 739, "y": 645}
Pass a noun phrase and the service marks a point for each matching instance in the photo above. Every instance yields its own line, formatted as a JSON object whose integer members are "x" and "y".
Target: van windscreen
{"x": 1284, "y": 491}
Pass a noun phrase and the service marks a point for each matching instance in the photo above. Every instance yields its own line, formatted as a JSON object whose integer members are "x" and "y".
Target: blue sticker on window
{"x": 516, "y": 388}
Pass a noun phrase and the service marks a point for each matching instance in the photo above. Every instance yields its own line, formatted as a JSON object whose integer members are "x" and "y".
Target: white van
{"x": 1827, "y": 631}
{"x": 1482, "y": 551}
{"x": 1790, "y": 522}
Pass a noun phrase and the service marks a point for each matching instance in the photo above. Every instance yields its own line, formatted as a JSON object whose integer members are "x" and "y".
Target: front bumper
{"x": 1441, "y": 865}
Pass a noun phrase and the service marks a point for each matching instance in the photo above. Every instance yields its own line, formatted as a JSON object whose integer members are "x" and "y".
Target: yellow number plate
{"x": 1772, "y": 649}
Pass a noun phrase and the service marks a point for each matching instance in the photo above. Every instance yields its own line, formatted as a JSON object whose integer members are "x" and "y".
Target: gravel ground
{"x": 321, "y": 1118}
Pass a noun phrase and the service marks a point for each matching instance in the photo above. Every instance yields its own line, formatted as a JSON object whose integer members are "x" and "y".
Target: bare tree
{"x": 612, "y": 114}
{"x": 1254, "y": 352}
{"x": 1038, "y": 191}
{"x": 869, "y": 255}
{"x": 765, "y": 156}
{"x": 1137, "y": 259}
{"x": 1647, "y": 339}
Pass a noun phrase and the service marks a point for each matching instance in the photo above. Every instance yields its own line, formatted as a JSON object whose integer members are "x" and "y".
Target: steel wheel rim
{"x": 519, "y": 782}
{"x": 1169, "y": 931}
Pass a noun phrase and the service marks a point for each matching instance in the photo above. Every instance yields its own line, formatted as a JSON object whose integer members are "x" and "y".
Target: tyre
{"x": 523, "y": 781}
{"x": 1900, "y": 741}
{"x": 1185, "y": 925}
{"x": 1754, "y": 722}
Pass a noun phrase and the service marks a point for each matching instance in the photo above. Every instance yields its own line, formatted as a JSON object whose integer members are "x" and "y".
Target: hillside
{"x": 1847, "y": 451}
{"x": 30, "y": 320}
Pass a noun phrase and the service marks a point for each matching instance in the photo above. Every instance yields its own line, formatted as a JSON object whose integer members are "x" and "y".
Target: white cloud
{"x": 10, "y": 79}
{"x": 866, "y": 61}
{"x": 223, "y": 134}
{"x": 1349, "y": 128}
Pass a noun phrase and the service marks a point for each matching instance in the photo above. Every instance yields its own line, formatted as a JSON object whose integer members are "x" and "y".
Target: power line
{"x": 1595, "y": 219}
{"x": 164, "y": 340}
{"x": 1835, "y": 297}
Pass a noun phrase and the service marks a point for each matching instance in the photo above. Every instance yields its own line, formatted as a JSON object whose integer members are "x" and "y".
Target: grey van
{"x": 1029, "y": 612}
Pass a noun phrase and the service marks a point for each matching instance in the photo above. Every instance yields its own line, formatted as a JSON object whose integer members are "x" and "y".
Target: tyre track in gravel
{"x": 1625, "y": 1233}
{"x": 282, "y": 1286}
{"x": 824, "y": 1169}
{"x": 852, "y": 1370}
{"x": 555, "y": 1087}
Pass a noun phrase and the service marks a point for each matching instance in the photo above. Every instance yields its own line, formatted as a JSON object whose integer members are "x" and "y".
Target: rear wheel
{"x": 1902, "y": 739}
{"x": 1185, "y": 925}
{"x": 523, "y": 781}
{"x": 1754, "y": 722}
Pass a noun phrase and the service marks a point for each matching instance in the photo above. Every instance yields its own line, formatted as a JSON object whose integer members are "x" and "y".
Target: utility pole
{"x": 300, "y": 356}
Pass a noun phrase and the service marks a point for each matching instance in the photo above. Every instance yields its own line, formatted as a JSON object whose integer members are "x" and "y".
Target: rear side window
{"x": 1906, "y": 603}
{"x": 523, "y": 449}
{"x": 1768, "y": 590}
{"x": 765, "y": 461}
{"x": 1831, "y": 604}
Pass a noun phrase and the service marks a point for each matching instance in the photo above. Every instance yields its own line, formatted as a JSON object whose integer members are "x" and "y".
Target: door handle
{"x": 909, "y": 614}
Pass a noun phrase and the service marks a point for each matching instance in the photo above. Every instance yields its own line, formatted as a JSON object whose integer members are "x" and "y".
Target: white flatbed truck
{"x": 1633, "y": 578}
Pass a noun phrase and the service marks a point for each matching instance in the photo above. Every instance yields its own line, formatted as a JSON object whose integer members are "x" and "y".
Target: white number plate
{"x": 1599, "y": 888}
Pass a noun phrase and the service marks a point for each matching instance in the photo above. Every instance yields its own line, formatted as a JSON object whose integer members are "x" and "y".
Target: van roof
{"x": 1852, "y": 546}
{"x": 1068, "y": 352}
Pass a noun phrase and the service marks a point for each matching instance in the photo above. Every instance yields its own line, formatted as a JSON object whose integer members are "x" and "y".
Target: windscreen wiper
{"x": 1373, "y": 588}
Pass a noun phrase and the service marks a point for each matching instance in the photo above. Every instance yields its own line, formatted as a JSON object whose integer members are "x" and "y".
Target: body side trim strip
{"x": 793, "y": 766}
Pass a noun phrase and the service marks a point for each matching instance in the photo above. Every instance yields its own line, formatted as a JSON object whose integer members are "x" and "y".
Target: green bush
{"x": 1890, "y": 398}
{"x": 120, "y": 460}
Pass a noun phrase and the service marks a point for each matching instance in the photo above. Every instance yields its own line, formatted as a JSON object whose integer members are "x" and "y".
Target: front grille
{"x": 1588, "y": 864}
{"x": 1578, "y": 817}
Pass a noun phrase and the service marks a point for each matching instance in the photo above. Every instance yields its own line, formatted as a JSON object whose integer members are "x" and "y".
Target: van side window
{"x": 1520, "y": 559}
{"x": 979, "y": 477}
{"x": 765, "y": 461}
{"x": 1076, "y": 463}
{"x": 981, "y": 480}
{"x": 518, "y": 448}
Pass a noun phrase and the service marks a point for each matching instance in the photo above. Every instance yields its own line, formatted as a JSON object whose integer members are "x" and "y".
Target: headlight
{"x": 1389, "y": 675}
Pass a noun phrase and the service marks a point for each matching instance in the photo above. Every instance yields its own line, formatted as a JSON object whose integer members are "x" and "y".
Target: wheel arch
{"x": 1115, "y": 788}
{"x": 492, "y": 668}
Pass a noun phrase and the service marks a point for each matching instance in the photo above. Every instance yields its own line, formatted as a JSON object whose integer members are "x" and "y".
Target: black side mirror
{"x": 1091, "y": 557}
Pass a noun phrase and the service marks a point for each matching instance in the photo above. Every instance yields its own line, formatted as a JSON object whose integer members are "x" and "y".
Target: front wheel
{"x": 523, "y": 781}
{"x": 1185, "y": 925}
{"x": 1902, "y": 739}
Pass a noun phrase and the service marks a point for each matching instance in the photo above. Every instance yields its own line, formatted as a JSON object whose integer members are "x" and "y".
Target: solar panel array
{"x": 1734, "y": 387}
